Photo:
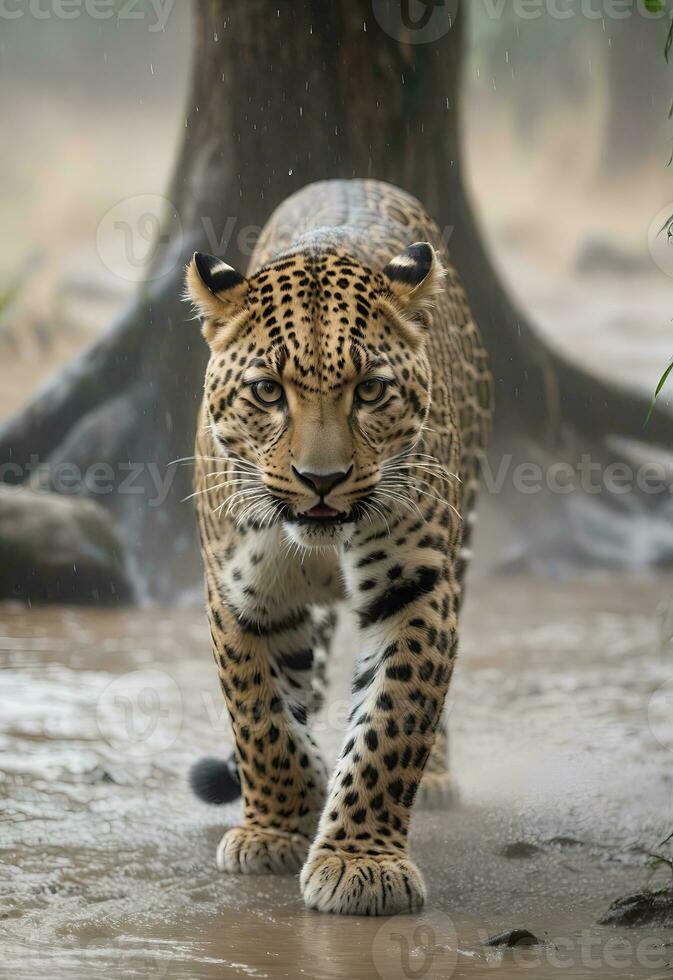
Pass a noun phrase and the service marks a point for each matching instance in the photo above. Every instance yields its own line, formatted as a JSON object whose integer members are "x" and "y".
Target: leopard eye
{"x": 371, "y": 391}
{"x": 267, "y": 392}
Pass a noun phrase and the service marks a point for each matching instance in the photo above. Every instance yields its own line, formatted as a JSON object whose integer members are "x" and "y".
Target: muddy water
{"x": 562, "y": 721}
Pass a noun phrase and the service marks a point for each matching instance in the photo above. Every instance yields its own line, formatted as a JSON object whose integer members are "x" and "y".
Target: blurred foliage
{"x": 662, "y": 382}
{"x": 660, "y": 7}
{"x": 7, "y": 295}
{"x": 658, "y": 860}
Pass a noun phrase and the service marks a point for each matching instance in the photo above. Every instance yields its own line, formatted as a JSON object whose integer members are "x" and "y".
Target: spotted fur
{"x": 351, "y": 295}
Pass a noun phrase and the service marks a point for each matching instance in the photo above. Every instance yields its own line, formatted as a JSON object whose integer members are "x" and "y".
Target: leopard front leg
{"x": 264, "y": 666}
{"x": 406, "y": 599}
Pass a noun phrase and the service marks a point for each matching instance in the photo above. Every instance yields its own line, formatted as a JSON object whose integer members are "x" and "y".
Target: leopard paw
{"x": 260, "y": 851}
{"x": 363, "y": 884}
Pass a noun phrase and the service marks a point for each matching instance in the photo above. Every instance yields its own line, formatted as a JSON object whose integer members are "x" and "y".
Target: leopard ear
{"x": 415, "y": 276}
{"x": 217, "y": 291}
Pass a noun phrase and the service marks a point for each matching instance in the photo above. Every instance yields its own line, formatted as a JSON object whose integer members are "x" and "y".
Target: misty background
{"x": 560, "y": 711}
{"x": 567, "y": 143}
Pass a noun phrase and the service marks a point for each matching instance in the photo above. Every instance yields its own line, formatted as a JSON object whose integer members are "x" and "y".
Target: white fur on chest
{"x": 267, "y": 574}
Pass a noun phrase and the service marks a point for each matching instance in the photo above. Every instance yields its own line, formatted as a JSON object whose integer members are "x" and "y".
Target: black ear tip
{"x": 423, "y": 253}
{"x": 412, "y": 265}
{"x": 205, "y": 264}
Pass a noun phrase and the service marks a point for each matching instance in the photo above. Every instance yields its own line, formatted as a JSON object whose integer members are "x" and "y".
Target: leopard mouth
{"x": 322, "y": 515}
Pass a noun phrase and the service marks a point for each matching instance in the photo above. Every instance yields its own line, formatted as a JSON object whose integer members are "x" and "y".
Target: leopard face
{"x": 318, "y": 381}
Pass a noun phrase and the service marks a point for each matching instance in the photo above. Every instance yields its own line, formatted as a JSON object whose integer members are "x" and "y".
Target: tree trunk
{"x": 283, "y": 95}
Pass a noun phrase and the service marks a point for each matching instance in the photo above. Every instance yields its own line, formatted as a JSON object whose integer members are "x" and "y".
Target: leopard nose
{"x": 322, "y": 483}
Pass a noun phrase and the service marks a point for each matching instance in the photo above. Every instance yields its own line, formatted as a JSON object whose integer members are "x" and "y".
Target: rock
{"x": 513, "y": 937}
{"x": 59, "y": 549}
{"x": 642, "y": 909}
{"x": 520, "y": 849}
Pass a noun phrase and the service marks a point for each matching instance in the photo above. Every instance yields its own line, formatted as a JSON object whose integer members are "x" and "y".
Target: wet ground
{"x": 562, "y": 722}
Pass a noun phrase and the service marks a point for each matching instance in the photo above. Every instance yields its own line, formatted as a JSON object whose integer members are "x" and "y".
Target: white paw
{"x": 256, "y": 851}
{"x": 347, "y": 884}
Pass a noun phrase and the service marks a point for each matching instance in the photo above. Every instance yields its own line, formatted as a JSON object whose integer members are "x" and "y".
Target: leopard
{"x": 347, "y": 406}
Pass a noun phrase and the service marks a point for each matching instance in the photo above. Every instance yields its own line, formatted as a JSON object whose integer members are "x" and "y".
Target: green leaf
{"x": 662, "y": 382}
{"x": 669, "y": 43}
{"x": 654, "y": 6}
{"x": 667, "y": 222}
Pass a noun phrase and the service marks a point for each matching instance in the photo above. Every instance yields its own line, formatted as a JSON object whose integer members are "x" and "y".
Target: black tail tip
{"x": 215, "y": 780}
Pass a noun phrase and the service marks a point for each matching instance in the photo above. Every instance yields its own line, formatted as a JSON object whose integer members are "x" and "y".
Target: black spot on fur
{"x": 398, "y": 596}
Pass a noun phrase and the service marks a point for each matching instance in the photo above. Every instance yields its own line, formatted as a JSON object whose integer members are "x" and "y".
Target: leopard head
{"x": 318, "y": 380}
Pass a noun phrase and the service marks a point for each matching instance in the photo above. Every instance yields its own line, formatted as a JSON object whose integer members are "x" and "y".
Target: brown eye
{"x": 267, "y": 392}
{"x": 371, "y": 391}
